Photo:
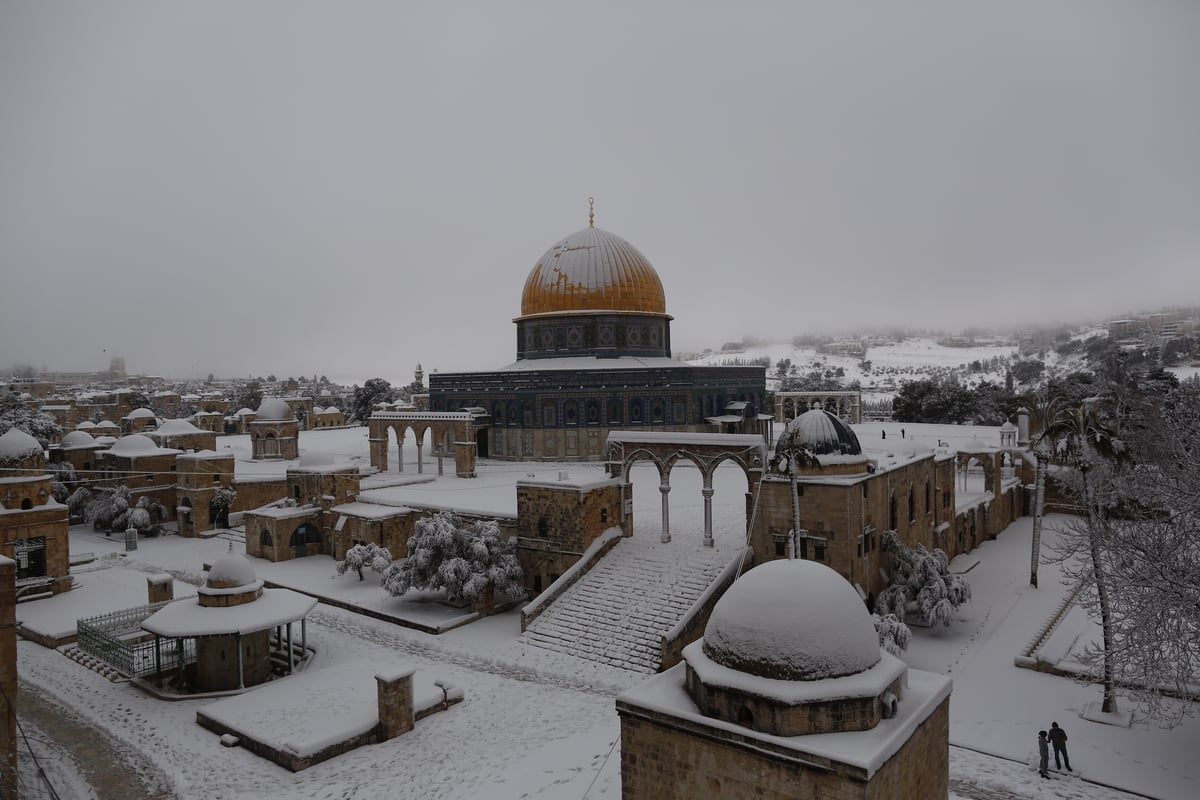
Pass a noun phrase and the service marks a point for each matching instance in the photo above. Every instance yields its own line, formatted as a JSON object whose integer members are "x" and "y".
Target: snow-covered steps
{"x": 617, "y": 613}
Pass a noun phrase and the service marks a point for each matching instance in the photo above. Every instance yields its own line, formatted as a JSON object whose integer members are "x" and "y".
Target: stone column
{"x": 665, "y": 488}
{"x": 395, "y": 693}
{"x": 707, "y": 491}
{"x": 464, "y": 459}
{"x": 421, "y": 455}
{"x": 159, "y": 588}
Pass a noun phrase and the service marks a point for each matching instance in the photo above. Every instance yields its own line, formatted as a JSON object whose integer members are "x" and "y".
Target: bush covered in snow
{"x": 15, "y": 414}
{"x": 446, "y": 553}
{"x": 922, "y": 584}
{"x": 894, "y": 635}
{"x": 377, "y": 558}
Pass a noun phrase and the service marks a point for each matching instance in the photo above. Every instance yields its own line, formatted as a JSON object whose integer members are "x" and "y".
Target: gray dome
{"x": 820, "y": 433}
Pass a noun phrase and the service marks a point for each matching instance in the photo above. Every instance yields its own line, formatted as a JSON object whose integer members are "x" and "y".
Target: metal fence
{"x": 118, "y": 640}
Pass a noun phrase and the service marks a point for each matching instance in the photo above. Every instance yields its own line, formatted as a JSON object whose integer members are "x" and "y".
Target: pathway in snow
{"x": 617, "y": 613}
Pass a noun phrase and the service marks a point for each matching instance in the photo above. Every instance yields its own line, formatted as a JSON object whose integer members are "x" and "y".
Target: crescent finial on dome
{"x": 591, "y": 212}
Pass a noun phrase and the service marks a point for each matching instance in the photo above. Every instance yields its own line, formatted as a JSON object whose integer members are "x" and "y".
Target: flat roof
{"x": 186, "y": 618}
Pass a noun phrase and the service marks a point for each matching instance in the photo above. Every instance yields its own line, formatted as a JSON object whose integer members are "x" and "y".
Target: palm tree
{"x": 1047, "y": 415}
{"x": 1088, "y": 438}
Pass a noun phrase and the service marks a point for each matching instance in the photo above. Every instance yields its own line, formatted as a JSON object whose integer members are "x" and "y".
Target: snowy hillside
{"x": 885, "y": 366}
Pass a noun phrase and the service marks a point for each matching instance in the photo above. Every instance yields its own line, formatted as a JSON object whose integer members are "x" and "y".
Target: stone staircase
{"x": 618, "y": 612}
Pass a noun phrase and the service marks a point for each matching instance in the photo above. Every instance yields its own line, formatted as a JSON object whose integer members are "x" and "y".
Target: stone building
{"x": 79, "y": 449}
{"x": 183, "y": 435}
{"x": 327, "y": 417}
{"x": 843, "y": 500}
{"x": 140, "y": 420}
{"x": 8, "y": 678}
{"x": 593, "y": 356}
{"x": 275, "y": 431}
{"x": 137, "y": 462}
{"x": 788, "y": 695}
{"x": 198, "y": 477}
{"x": 301, "y": 525}
{"x": 558, "y": 520}
{"x": 33, "y": 525}
{"x": 236, "y": 628}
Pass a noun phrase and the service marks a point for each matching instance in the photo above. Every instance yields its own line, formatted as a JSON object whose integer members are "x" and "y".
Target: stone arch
{"x": 305, "y": 540}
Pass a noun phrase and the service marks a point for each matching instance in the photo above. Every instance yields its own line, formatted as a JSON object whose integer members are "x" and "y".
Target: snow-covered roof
{"x": 139, "y": 444}
{"x": 792, "y": 620}
{"x": 242, "y": 412}
{"x": 166, "y": 393}
{"x": 16, "y": 443}
{"x": 231, "y": 569}
{"x": 315, "y": 458}
{"x": 370, "y": 510}
{"x": 187, "y": 618}
{"x": 140, "y": 413}
{"x": 176, "y": 427}
{"x": 590, "y": 363}
{"x": 106, "y": 440}
{"x": 731, "y": 440}
{"x": 78, "y": 439}
{"x": 85, "y": 425}
{"x": 108, "y": 424}
{"x": 205, "y": 455}
{"x": 1008, "y": 427}
{"x": 332, "y": 410}
{"x": 274, "y": 408}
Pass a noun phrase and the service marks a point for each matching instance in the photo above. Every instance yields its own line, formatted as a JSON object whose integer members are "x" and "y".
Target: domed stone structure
{"x": 19, "y": 450}
{"x": 33, "y": 525}
{"x": 593, "y": 356}
{"x": 593, "y": 293}
{"x": 757, "y": 627}
{"x": 275, "y": 430}
{"x": 788, "y": 695}
{"x": 778, "y": 648}
{"x": 820, "y": 433}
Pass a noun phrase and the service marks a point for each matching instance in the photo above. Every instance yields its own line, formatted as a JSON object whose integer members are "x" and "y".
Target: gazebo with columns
{"x": 844, "y": 404}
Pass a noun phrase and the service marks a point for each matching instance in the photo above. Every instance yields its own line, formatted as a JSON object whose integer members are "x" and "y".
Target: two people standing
{"x": 1057, "y": 738}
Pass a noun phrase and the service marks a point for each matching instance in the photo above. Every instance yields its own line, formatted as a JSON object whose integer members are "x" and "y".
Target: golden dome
{"x": 593, "y": 270}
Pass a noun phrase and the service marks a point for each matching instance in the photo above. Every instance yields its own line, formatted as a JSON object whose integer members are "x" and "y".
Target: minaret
{"x": 419, "y": 376}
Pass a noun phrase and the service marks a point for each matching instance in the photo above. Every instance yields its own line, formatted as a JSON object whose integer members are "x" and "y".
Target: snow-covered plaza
{"x": 536, "y": 723}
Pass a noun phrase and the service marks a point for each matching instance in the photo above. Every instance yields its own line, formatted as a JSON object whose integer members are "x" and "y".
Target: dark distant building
{"x": 594, "y": 355}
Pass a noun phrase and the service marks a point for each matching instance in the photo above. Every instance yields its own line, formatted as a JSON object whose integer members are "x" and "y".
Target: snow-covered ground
{"x": 541, "y": 724}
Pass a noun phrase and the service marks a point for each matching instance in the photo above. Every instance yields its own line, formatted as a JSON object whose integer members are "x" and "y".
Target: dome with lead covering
{"x": 593, "y": 270}
{"x": 792, "y": 620}
{"x": 820, "y": 433}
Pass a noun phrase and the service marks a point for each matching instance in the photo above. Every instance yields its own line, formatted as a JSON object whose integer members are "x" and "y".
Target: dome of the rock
{"x": 593, "y": 270}
{"x": 792, "y": 620}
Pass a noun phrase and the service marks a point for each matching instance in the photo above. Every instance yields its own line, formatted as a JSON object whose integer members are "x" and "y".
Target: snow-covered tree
{"x": 108, "y": 509}
{"x": 446, "y": 553}
{"x": 221, "y": 504}
{"x": 922, "y": 584}
{"x": 1047, "y": 415}
{"x": 79, "y": 501}
{"x": 372, "y": 392}
{"x": 369, "y": 555}
{"x": 894, "y": 635}
{"x": 15, "y": 414}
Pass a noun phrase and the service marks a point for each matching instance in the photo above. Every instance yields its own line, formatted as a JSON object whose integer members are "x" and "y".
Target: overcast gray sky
{"x": 349, "y": 188}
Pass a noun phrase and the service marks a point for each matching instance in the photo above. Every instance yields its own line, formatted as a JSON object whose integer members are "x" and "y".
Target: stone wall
{"x": 216, "y": 661}
{"x": 8, "y": 679}
{"x": 666, "y": 758}
{"x": 556, "y": 524}
{"x": 258, "y": 493}
{"x": 390, "y": 532}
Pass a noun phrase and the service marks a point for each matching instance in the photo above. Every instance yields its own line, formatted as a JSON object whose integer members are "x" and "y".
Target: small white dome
{"x": 107, "y": 441}
{"x": 140, "y": 413}
{"x": 332, "y": 410}
{"x": 792, "y": 620}
{"x": 137, "y": 444}
{"x": 78, "y": 439}
{"x": 16, "y": 443}
{"x": 85, "y": 426}
{"x": 177, "y": 427}
{"x": 107, "y": 424}
{"x": 230, "y": 571}
{"x": 244, "y": 412}
{"x": 274, "y": 408}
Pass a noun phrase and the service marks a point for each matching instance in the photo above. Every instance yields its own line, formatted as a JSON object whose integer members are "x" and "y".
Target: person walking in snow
{"x": 1058, "y": 738}
{"x": 1043, "y": 755}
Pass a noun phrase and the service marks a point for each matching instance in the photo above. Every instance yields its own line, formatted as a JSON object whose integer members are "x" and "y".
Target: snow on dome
{"x": 242, "y": 412}
{"x": 821, "y": 433}
{"x": 1008, "y": 427}
{"x": 137, "y": 444}
{"x": 107, "y": 441}
{"x": 332, "y": 410}
{"x": 274, "y": 408}
{"x": 792, "y": 620}
{"x": 176, "y": 427}
{"x": 77, "y": 439}
{"x": 87, "y": 425}
{"x": 316, "y": 459}
{"x": 107, "y": 424}
{"x": 140, "y": 413}
{"x": 593, "y": 270}
{"x": 16, "y": 443}
{"x": 230, "y": 571}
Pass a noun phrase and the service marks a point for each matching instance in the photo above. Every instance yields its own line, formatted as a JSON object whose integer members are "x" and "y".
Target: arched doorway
{"x": 306, "y": 541}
